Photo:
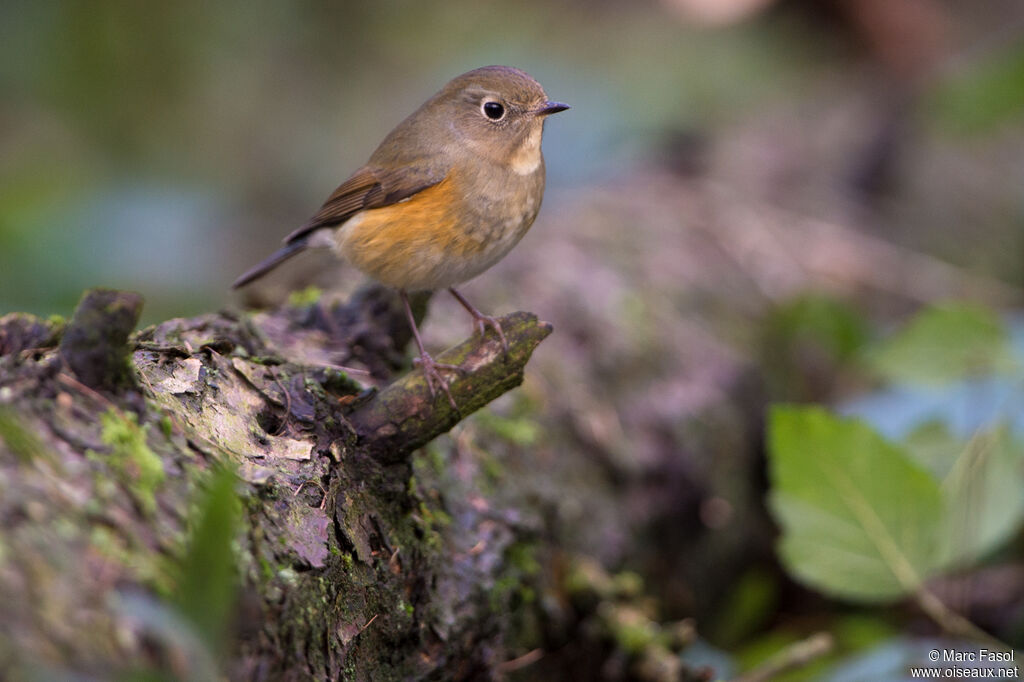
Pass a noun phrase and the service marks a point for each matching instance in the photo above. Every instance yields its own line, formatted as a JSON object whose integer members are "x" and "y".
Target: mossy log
{"x": 346, "y": 565}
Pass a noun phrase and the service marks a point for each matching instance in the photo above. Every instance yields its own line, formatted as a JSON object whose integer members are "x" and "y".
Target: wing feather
{"x": 369, "y": 188}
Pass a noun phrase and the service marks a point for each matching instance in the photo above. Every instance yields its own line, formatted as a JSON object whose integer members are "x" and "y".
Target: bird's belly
{"x": 431, "y": 242}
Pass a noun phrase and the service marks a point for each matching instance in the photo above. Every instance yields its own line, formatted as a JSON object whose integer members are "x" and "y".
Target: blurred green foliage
{"x": 22, "y": 442}
{"x": 835, "y": 326}
{"x": 207, "y": 587}
{"x": 946, "y": 342}
{"x": 985, "y": 95}
{"x": 191, "y": 626}
{"x": 807, "y": 341}
{"x": 748, "y": 608}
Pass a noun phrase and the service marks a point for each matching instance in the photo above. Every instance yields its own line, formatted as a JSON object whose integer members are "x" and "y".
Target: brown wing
{"x": 369, "y": 188}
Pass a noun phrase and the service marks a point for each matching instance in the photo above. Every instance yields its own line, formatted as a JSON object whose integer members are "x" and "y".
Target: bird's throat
{"x": 526, "y": 158}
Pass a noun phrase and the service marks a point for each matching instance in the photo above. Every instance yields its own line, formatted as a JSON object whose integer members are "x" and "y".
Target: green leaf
{"x": 984, "y": 506}
{"x": 934, "y": 447}
{"x": 750, "y": 604}
{"x": 860, "y": 517}
{"x": 981, "y": 479}
{"x": 808, "y": 340}
{"x": 830, "y": 324}
{"x": 208, "y": 583}
{"x": 945, "y": 343}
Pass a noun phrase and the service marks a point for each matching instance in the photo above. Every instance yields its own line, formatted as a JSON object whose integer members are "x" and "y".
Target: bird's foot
{"x": 482, "y": 322}
{"x": 432, "y": 373}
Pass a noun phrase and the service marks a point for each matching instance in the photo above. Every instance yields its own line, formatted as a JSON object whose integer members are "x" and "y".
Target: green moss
{"x": 522, "y": 431}
{"x": 523, "y": 556}
{"x": 340, "y": 383}
{"x": 138, "y": 467}
{"x": 266, "y": 570}
{"x": 628, "y": 585}
{"x": 305, "y": 297}
{"x": 166, "y": 425}
{"x": 502, "y": 590}
{"x": 432, "y": 521}
{"x": 315, "y": 388}
{"x": 107, "y": 543}
{"x": 265, "y": 360}
{"x": 587, "y": 580}
{"x": 435, "y": 459}
{"x": 492, "y": 469}
{"x": 515, "y": 582}
{"x": 22, "y": 442}
{"x": 632, "y": 630}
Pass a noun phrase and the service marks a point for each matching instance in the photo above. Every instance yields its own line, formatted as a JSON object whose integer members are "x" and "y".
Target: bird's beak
{"x": 549, "y": 108}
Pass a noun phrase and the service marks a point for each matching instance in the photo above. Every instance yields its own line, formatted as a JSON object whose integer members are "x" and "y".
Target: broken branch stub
{"x": 404, "y": 416}
{"x": 95, "y": 344}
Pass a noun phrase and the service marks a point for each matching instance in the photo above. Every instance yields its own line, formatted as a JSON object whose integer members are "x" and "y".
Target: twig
{"x": 952, "y": 622}
{"x": 323, "y": 502}
{"x": 349, "y": 370}
{"x": 520, "y": 662}
{"x": 793, "y": 656}
{"x": 367, "y": 624}
{"x": 74, "y": 383}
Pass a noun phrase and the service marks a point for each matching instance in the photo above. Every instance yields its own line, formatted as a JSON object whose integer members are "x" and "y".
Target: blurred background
{"x": 746, "y": 198}
{"x": 165, "y": 148}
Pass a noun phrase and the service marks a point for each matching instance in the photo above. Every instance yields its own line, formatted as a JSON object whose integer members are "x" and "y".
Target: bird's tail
{"x": 275, "y": 259}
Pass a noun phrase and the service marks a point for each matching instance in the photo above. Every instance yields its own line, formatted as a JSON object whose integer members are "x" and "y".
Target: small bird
{"x": 444, "y": 197}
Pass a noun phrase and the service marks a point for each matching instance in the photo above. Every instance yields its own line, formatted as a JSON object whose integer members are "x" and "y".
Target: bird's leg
{"x": 430, "y": 367}
{"x": 480, "y": 320}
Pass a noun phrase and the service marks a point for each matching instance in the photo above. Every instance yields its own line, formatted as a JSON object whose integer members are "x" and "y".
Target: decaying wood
{"x": 94, "y": 345}
{"x": 348, "y": 564}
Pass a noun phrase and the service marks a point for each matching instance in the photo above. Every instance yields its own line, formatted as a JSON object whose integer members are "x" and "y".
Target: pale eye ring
{"x": 493, "y": 110}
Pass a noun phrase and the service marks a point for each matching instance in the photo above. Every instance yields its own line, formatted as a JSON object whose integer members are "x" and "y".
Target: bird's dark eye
{"x": 493, "y": 110}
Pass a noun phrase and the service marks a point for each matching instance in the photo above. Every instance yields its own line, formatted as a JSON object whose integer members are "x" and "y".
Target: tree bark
{"x": 347, "y": 566}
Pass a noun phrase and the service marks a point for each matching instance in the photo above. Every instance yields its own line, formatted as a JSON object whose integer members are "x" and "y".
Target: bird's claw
{"x": 482, "y": 322}
{"x": 433, "y": 376}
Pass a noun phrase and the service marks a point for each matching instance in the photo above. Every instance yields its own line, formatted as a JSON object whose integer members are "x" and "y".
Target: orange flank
{"x": 411, "y": 245}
